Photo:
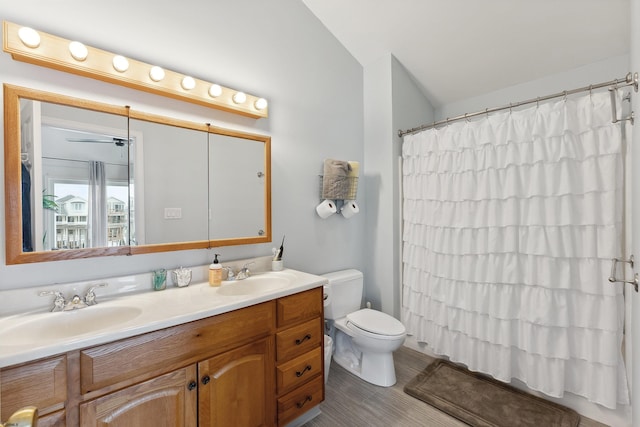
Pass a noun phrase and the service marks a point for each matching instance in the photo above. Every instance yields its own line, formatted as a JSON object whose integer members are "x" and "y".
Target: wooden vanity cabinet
{"x": 257, "y": 366}
{"x": 42, "y": 383}
{"x": 299, "y": 354}
{"x": 236, "y": 388}
{"x": 168, "y": 400}
{"x": 220, "y": 374}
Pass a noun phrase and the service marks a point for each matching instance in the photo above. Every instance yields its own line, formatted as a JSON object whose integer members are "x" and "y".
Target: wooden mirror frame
{"x": 13, "y": 186}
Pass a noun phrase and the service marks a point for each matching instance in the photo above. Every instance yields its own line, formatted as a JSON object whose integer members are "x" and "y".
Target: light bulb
{"x": 260, "y": 104}
{"x": 29, "y": 37}
{"x": 215, "y": 90}
{"x": 239, "y": 97}
{"x": 156, "y": 73}
{"x": 120, "y": 63}
{"x": 78, "y": 51}
{"x": 188, "y": 83}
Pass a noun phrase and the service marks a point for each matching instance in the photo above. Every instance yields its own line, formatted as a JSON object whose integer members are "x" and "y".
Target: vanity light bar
{"x": 35, "y": 47}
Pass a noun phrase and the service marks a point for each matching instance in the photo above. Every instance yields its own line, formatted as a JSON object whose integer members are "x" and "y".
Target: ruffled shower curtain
{"x": 510, "y": 224}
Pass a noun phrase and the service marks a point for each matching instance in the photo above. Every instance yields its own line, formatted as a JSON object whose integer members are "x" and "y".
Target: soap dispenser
{"x": 215, "y": 272}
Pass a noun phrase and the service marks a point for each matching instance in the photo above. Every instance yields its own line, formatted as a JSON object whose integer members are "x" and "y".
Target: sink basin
{"x": 45, "y": 327}
{"x": 254, "y": 285}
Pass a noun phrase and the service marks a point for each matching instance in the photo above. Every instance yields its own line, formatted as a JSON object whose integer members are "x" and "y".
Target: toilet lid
{"x": 376, "y": 322}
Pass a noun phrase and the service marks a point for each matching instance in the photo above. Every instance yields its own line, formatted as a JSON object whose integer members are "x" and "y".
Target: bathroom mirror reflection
{"x": 169, "y": 183}
{"x": 85, "y": 179}
{"x": 236, "y": 210}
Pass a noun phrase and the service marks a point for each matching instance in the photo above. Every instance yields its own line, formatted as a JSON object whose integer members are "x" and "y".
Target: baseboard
{"x": 306, "y": 417}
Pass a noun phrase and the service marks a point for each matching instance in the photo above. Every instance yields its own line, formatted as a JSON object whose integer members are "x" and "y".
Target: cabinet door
{"x": 168, "y": 400}
{"x": 237, "y": 388}
{"x": 42, "y": 384}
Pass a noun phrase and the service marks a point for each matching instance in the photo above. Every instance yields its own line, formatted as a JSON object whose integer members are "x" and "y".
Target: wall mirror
{"x": 86, "y": 179}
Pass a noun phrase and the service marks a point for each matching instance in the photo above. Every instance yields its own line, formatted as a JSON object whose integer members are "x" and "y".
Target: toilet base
{"x": 374, "y": 368}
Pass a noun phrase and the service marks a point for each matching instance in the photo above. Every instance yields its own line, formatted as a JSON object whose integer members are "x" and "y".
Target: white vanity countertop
{"x": 30, "y": 336}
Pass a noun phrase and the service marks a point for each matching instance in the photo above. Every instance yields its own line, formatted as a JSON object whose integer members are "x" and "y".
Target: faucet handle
{"x": 244, "y": 271}
{"x": 58, "y": 303}
{"x": 230, "y": 274}
{"x": 90, "y": 296}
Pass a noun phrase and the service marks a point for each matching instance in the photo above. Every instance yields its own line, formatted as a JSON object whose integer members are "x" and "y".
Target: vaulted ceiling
{"x": 456, "y": 49}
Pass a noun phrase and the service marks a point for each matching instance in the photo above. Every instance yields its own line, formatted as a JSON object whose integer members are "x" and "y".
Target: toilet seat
{"x": 375, "y": 324}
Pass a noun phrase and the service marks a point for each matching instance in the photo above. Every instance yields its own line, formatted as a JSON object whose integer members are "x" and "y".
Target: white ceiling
{"x": 456, "y": 49}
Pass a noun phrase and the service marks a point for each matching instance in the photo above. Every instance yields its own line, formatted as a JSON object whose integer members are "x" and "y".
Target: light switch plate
{"x": 172, "y": 213}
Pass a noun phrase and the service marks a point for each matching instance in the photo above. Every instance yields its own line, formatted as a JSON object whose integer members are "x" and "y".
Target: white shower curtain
{"x": 510, "y": 224}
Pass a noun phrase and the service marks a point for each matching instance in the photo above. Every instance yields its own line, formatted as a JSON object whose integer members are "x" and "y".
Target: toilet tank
{"x": 345, "y": 293}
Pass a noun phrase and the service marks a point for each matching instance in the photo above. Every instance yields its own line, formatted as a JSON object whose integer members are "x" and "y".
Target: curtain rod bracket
{"x": 633, "y": 79}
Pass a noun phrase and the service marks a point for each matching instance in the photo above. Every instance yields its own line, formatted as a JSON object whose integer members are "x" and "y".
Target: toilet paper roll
{"x": 326, "y": 208}
{"x": 349, "y": 209}
{"x": 326, "y": 290}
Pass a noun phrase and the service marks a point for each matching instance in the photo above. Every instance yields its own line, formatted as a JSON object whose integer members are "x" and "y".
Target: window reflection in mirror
{"x": 74, "y": 173}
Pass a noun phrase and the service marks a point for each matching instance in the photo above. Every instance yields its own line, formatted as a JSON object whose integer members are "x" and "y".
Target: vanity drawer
{"x": 299, "y": 307}
{"x": 299, "y": 370}
{"x": 299, "y": 339}
{"x": 299, "y": 401}
{"x": 141, "y": 357}
{"x": 42, "y": 383}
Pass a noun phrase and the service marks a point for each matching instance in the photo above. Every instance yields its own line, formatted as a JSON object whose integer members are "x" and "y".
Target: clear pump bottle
{"x": 215, "y": 272}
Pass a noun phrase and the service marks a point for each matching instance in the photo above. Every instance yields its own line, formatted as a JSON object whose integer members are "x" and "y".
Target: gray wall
{"x": 277, "y": 50}
{"x": 613, "y": 68}
{"x": 392, "y": 101}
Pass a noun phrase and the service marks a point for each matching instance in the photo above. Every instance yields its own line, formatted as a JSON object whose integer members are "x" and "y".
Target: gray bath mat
{"x": 484, "y": 402}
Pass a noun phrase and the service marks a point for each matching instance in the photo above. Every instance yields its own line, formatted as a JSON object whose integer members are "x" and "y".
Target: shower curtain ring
{"x": 538, "y": 102}
{"x": 564, "y": 96}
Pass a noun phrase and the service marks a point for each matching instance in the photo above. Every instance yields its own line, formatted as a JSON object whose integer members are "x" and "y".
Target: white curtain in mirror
{"x": 97, "y": 205}
{"x": 510, "y": 223}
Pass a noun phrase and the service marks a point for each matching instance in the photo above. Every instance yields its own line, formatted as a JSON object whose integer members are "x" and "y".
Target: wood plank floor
{"x": 351, "y": 402}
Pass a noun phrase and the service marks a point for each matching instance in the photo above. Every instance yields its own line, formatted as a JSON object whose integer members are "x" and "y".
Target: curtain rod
{"x": 628, "y": 80}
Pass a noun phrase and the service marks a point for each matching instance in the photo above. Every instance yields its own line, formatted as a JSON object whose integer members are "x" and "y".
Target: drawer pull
{"x": 192, "y": 385}
{"x": 301, "y": 373}
{"x": 301, "y": 404}
{"x": 206, "y": 379}
{"x": 300, "y": 341}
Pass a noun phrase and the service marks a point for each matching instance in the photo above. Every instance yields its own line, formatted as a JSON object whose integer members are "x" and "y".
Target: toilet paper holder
{"x": 345, "y": 205}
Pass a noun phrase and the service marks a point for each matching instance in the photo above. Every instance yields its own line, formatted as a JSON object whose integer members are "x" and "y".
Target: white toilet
{"x": 364, "y": 340}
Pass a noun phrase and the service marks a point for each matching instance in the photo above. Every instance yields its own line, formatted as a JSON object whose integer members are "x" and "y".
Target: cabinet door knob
{"x": 192, "y": 385}
{"x": 206, "y": 379}
{"x": 301, "y": 404}
{"x": 301, "y": 373}
{"x": 300, "y": 341}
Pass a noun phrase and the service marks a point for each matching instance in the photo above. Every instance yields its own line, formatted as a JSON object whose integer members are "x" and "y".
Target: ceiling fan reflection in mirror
{"x": 120, "y": 142}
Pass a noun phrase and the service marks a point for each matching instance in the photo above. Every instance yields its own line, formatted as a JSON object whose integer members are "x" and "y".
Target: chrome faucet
{"x": 244, "y": 271}
{"x": 75, "y": 303}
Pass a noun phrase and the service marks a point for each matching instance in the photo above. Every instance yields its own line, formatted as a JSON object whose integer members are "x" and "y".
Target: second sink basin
{"x": 46, "y": 327}
{"x": 255, "y": 284}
